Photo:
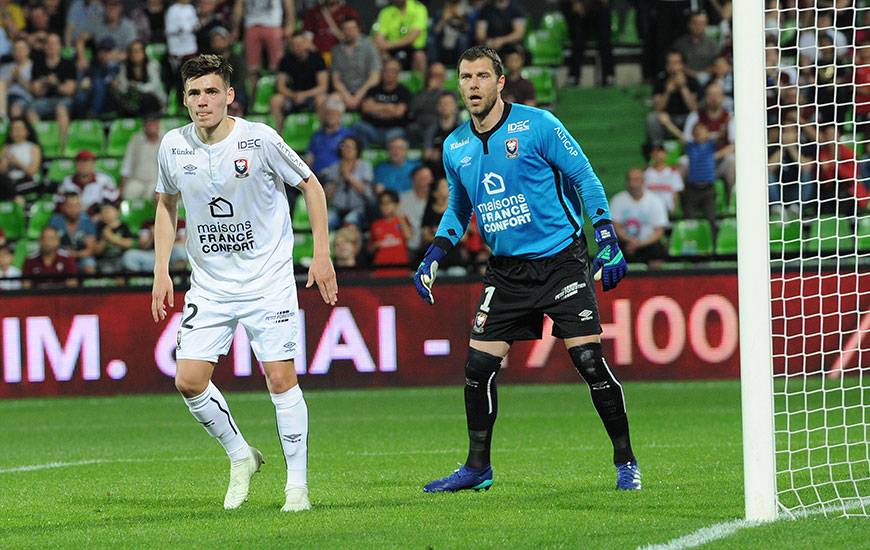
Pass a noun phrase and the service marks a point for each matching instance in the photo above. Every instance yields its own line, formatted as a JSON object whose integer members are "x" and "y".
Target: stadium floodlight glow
{"x": 806, "y": 437}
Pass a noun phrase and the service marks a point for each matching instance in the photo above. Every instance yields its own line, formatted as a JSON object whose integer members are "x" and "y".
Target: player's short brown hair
{"x": 202, "y": 65}
{"x": 478, "y": 52}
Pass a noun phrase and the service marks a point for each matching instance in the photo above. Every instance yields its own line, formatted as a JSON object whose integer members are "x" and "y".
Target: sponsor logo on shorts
{"x": 220, "y": 208}
{"x": 250, "y": 144}
{"x": 586, "y": 315}
{"x": 280, "y": 317}
{"x": 512, "y": 148}
{"x": 241, "y": 166}
{"x": 189, "y": 170}
{"x": 520, "y": 126}
{"x": 569, "y": 291}
{"x": 290, "y": 346}
{"x": 479, "y": 322}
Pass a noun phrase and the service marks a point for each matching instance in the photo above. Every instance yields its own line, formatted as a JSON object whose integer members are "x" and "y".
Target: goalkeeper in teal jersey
{"x": 529, "y": 183}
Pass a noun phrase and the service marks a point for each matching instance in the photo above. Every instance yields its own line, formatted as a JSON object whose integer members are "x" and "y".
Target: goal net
{"x": 817, "y": 65}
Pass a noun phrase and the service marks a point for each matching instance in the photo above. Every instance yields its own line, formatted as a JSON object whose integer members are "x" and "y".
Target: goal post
{"x": 802, "y": 111}
{"x": 753, "y": 262}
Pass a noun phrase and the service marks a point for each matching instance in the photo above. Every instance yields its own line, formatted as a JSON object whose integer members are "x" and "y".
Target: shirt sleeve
{"x": 283, "y": 161}
{"x": 165, "y": 178}
{"x": 560, "y": 149}
{"x": 458, "y": 212}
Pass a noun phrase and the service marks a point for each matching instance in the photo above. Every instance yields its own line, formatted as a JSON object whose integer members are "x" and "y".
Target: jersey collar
{"x": 484, "y": 137}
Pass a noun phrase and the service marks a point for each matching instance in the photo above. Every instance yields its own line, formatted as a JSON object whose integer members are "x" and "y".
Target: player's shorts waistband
{"x": 573, "y": 249}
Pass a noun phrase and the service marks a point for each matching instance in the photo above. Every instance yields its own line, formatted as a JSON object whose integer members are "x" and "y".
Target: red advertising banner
{"x": 655, "y": 327}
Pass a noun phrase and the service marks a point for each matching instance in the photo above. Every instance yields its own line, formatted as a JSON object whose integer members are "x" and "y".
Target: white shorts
{"x": 207, "y": 326}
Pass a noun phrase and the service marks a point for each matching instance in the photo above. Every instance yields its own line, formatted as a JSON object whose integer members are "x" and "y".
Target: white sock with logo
{"x": 211, "y": 410}
{"x": 292, "y": 418}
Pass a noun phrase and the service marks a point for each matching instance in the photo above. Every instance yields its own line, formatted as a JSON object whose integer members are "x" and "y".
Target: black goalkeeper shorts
{"x": 517, "y": 293}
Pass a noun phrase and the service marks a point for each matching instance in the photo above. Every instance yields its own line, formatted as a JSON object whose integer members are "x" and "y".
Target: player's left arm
{"x": 560, "y": 148}
{"x": 286, "y": 164}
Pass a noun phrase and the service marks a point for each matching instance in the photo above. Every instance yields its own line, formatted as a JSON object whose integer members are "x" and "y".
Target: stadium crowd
{"x": 89, "y": 87}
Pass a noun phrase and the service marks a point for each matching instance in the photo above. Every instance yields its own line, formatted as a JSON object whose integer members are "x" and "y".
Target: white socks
{"x": 292, "y": 418}
{"x": 211, "y": 410}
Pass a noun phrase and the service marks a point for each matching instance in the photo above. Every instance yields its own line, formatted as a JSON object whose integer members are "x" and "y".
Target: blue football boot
{"x": 462, "y": 479}
{"x": 628, "y": 476}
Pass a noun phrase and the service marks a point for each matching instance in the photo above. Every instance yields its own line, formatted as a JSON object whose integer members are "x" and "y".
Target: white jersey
{"x": 239, "y": 238}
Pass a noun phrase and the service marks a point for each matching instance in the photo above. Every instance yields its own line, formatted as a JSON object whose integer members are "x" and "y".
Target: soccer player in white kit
{"x": 230, "y": 174}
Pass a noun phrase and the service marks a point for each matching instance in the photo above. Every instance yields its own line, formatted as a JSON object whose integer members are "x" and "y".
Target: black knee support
{"x": 481, "y": 405}
{"x": 480, "y": 369}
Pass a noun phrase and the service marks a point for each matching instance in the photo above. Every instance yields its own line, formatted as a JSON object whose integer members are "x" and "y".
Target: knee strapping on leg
{"x": 606, "y": 390}
{"x": 480, "y": 368}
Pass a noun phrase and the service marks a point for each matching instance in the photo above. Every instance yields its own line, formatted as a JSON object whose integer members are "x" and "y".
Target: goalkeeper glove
{"x": 608, "y": 264}
{"x": 424, "y": 278}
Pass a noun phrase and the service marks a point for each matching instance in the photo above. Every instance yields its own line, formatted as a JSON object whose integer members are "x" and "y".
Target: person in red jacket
{"x": 389, "y": 236}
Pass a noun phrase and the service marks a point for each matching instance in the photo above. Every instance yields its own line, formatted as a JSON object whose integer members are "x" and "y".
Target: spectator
{"x": 56, "y": 16}
{"x": 323, "y": 147}
{"x": 266, "y": 26}
{"x": 422, "y": 110}
{"x": 209, "y": 20}
{"x": 113, "y": 239}
{"x": 83, "y": 17}
{"x": 661, "y": 180}
{"x": 840, "y": 192}
{"x": 721, "y": 127}
{"x": 301, "y": 83}
{"x": 77, "y": 232}
{"x": 721, "y": 75}
{"x": 439, "y": 194}
{"x": 115, "y": 26}
{"x": 9, "y": 274}
{"x": 790, "y": 174}
{"x": 585, "y": 18}
{"x": 434, "y": 136}
{"x": 699, "y": 50}
{"x": 819, "y": 26}
{"x": 141, "y": 258}
{"x": 139, "y": 167}
{"x": 50, "y": 262}
{"x": 53, "y": 86}
{"x": 20, "y": 162}
{"x": 668, "y": 21}
{"x": 395, "y": 172}
{"x": 38, "y": 27}
{"x": 93, "y": 98}
{"x": 222, "y": 45}
{"x": 384, "y": 109}
{"x": 389, "y": 235}
{"x": 699, "y": 196}
{"x": 516, "y": 88}
{"x": 450, "y": 33}
{"x": 675, "y": 95}
{"x": 356, "y": 65}
{"x": 413, "y": 203}
{"x": 501, "y": 23}
{"x": 640, "y": 220}
{"x": 347, "y": 246}
{"x": 150, "y": 22}
{"x": 180, "y": 28}
{"x": 15, "y": 80}
{"x": 323, "y": 22}
{"x": 138, "y": 87}
{"x": 400, "y": 33}
{"x": 92, "y": 187}
{"x": 348, "y": 186}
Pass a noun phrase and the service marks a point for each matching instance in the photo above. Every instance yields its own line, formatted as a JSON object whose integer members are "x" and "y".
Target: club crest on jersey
{"x": 512, "y": 148}
{"x": 479, "y": 323}
{"x": 241, "y": 166}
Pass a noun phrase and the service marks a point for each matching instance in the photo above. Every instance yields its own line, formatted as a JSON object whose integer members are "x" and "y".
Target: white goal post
{"x": 802, "y": 141}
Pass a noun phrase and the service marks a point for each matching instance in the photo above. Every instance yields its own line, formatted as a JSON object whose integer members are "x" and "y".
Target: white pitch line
{"x": 88, "y": 462}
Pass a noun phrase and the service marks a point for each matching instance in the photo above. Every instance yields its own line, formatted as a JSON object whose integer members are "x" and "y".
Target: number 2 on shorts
{"x": 193, "y": 311}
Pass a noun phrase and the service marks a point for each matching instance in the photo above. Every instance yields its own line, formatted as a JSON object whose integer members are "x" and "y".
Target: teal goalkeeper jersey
{"x": 527, "y": 180}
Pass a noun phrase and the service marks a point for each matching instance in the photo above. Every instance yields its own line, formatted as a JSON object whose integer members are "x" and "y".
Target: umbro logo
{"x": 466, "y": 161}
{"x": 586, "y": 315}
{"x": 292, "y": 438}
{"x": 189, "y": 169}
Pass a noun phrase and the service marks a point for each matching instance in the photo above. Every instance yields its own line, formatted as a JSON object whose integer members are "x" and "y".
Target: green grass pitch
{"x": 138, "y": 471}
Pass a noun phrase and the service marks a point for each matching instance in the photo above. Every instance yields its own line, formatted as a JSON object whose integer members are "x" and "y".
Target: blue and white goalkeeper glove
{"x": 608, "y": 265}
{"x": 424, "y": 278}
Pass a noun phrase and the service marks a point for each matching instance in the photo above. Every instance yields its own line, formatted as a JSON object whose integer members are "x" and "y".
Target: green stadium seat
{"x": 303, "y": 248}
{"x": 674, "y": 150}
{"x": 174, "y": 107}
{"x": 156, "y": 51}
{"x": 265, "y": 91}
{"x": 170, "y": 123}
{"x": 862, "y": 232}
{"x": 21, "y": 253}
{"x": 298, "y": 129}
{"x": 135, "y": 212}
{"x": 830, "y": 235}
{"x": 721, "y": 199}
{"x": 12, "y": 220}
{"x": 4, "y": 130}
{"x": 85, "y": 134}
{"x": 58, "y": 169}
{"x": 349, "y": 119}
{"x": 411, "y": 80}
{"x": 375, "y": 156}
{"x": 264, "y": 119}
{"x": 726, "y": 237}
{"x": 301, "y": 222}
{"x": 112, "y": 167}
{"x": 544, "y": 81}
{"x": 555, "y": 22}
{"x": 691, "y": 238}
{"x": 120, "y": 132}
{"x": 544, "y": 47}
{"x": 732, "y": 203}
{"x": 785, "y": 237}
{"x": 40, "y": 212}
{"x": 48, "y": 134}
{"x": 451, "y": 81}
